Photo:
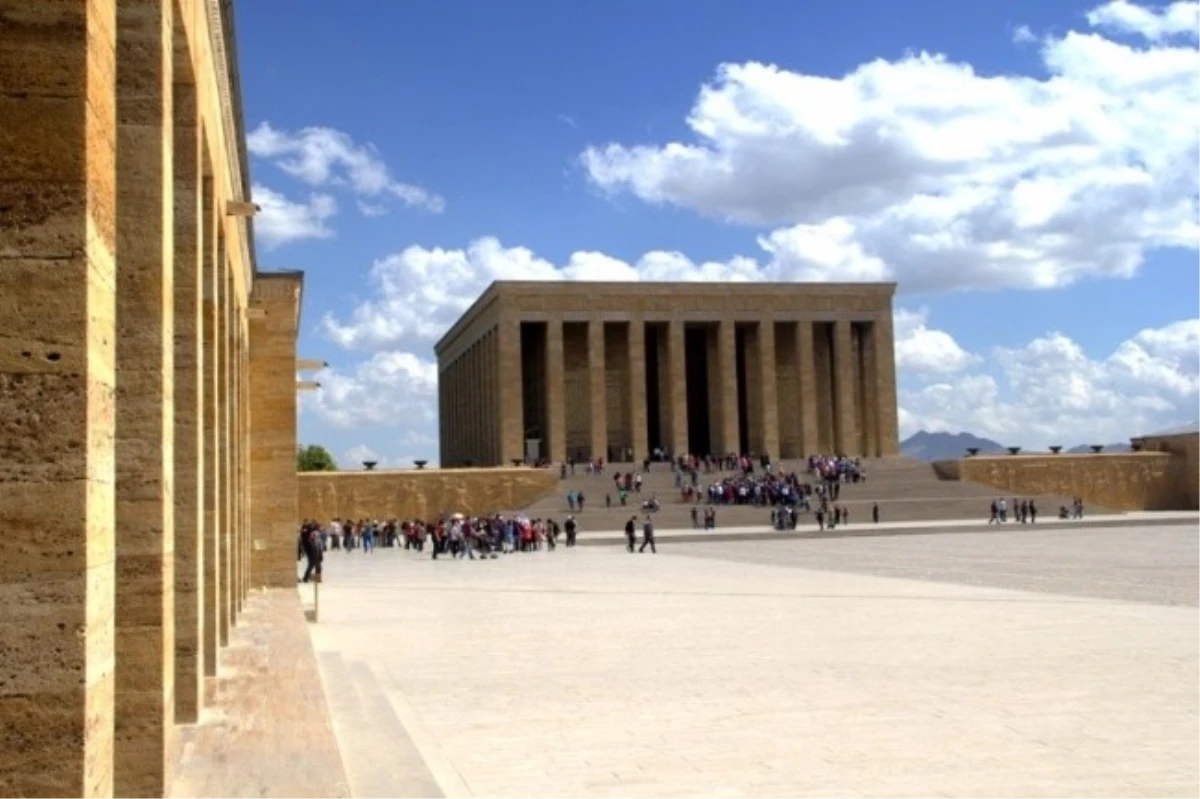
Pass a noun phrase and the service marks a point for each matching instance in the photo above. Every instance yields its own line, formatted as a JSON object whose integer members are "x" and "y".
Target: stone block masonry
{"x": 621, "y": 370}
{"x": 125, "y": 290}
{"x": 417, "y": 493}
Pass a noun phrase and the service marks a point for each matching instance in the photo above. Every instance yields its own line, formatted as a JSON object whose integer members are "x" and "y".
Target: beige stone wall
{"x": 1120, "y": 481}
{"x": 272, "y": 364}
{"x": 1185, "y": 469}
{"x": 411, "y": 493}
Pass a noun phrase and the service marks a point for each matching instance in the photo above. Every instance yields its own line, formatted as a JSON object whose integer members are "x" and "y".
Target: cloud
{"x": 1155, "y": 24}
{"x": 1049, "y": 391}
{"x": 924, "y": 351}
{"x": 925, "y": 171}
{"x": 326, "y": 157}
{"x": 281, "y": 220}
{"x": 419, "y": 292}
{"x": 1052, "y": 392}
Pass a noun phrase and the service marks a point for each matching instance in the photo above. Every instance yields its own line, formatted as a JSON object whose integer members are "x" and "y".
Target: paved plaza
{"x": 1005, "y": 663}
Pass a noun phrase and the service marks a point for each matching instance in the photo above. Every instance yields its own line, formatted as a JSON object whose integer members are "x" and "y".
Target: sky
{"x": 1028, "y": 173}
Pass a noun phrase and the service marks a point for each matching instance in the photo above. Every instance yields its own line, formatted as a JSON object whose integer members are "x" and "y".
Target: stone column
{"x": 57, "y": 299}
{"x": 274, "y": 512}
{"x": 865, "y": 342}
{"x": 843, "y": 375}
{"x": 887, "y": 424}
{"x": 245, "y": 456}
{"x": 598, "y": 389}
{"x": 512, "y": 403}
{"x": 144, "y": 717}
{"x": 677, "y": 381}
{"x": 478, "y": 425}
{"x": 768, "y": 412}
{"x": 224, "y": 400}
{"x": 213, "y": 285}
{"x": 489, "y": 406}
{"x": 189, "y": 411}
{"x": 637, "y": 389}
{"x": 235, "y": 447}
{"x": 494, "y": 395}
{"x": 451, "y": 415}
{"x": 556, "y": 412}
{"x": 727, "y": 371}
{"x": 806, "y": 382}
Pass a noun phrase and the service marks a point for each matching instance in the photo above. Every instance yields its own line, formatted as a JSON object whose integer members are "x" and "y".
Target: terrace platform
{"x": 997, "y": 662}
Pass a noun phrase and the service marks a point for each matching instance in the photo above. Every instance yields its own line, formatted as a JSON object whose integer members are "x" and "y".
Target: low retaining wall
{"x": 419, "y": 493}
{"x": 1119, "y": 481}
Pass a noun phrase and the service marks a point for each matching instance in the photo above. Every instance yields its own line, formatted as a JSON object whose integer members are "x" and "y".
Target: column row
{"x": 786, "y": 389}
{"x": 468, "y": 406}
{"x": 123, "y": 481}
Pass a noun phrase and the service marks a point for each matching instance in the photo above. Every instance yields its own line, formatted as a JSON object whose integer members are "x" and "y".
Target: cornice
{"x": 224, "y": 50}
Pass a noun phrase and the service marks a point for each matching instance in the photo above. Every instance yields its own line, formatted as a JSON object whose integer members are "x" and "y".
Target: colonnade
{"x": 127, "y": 287}
{"x": 623, "y": 388}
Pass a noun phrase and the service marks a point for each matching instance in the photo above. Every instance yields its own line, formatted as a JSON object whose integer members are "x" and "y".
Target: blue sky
{"x": 1034, "y": 192}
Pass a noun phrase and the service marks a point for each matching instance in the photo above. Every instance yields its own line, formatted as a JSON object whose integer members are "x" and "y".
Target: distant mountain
{"x": 1121, "y": 447}
{"x": 927, "y": 446}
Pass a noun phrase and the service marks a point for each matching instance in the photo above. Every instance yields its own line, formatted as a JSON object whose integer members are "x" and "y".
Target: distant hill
{"x": 1121, "y": 447}
{"x": 927, "y": 446}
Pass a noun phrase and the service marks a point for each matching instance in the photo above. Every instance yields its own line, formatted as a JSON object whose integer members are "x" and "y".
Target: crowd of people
{"x": 704, "y": 483}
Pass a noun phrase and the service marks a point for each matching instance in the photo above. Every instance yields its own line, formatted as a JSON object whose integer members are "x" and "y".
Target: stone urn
{"x": 517, "y": 461}
{"x": 1057, "y": 448}
{"x": 369, "y": 465}
{"x": 1097, "y": 448}
{"x": 972, "y": 451}
{"x": 1013, "y": 450}
{"x": 420, "y": 464}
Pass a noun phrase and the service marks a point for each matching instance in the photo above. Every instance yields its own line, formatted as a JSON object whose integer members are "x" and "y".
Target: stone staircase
{"x": 379, "y": 756}
{"x": 904, "y": 489}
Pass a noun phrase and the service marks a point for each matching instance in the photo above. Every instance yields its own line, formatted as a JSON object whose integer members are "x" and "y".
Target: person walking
{"x": 314, "y": 554}
{"x": 630, "y": 533}
{"x": 648, "y": 536}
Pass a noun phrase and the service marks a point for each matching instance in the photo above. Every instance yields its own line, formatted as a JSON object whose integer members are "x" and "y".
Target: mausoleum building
{"x": 550, "y": 371}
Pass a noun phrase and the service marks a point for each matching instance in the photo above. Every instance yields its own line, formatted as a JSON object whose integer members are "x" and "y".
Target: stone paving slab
{"x": 268, "y": 730}
{"x": 591, "y": 672}
{"x": 1157, "y": 563}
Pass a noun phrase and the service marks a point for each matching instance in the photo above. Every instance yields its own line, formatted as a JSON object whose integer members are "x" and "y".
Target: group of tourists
{"x": 452, "y": 535}
{"x": 1025, "y": 511}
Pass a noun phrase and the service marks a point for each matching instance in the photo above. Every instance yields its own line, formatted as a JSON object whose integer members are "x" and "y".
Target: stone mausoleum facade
{"x": 554, "y": 370}
{"x": 147, "y": 388}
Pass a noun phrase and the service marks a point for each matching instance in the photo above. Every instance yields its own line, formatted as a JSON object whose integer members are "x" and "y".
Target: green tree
{"x": 314, "y": 458}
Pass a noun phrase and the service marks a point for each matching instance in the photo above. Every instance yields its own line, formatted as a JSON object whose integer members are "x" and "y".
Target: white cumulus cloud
{"x": 1053, "y": 392}
{"x": 282, "y": 220}
{"x": 925, "y": 351}
{"x": 419, "y": 292}
{"x": 925, "y": 171}
{"x": 1177, "y": 19}
{"x": 322, "y": 156}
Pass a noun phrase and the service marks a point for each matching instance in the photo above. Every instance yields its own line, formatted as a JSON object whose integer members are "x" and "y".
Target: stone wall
{"x": 1120, "y": 481}
{"x": 411, "y": 493}
{"x": 273, "y": 514}
{"x": 1185, "y": 466}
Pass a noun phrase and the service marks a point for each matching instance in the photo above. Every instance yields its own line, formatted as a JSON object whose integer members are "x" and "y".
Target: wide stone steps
{"x": 904, "y": 489}
{"x": 377, "y": 752}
